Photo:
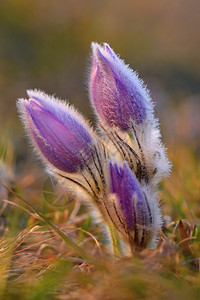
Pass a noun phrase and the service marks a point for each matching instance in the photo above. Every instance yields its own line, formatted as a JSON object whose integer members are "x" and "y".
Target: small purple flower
{"x": 60, "y": 134}
{"x": 131, "y": 198}
{"x": 117, "y": 94}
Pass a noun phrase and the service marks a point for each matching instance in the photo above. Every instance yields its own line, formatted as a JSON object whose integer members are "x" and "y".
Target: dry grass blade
{"x": 50, "y": 224}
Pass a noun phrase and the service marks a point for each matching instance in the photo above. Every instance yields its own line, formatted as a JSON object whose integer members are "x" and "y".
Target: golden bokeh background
{"x": 46, "y": 45}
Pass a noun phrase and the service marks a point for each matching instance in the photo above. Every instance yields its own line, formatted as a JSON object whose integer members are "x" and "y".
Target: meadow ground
{"x": 51, "y": 249}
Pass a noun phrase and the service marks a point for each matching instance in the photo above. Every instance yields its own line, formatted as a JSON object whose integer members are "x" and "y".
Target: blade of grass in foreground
{"x": 8, "y": 246}
{"x": 5, "y": 259}
{"x": 51, "y": 280}
{"x": 70, "y": 243}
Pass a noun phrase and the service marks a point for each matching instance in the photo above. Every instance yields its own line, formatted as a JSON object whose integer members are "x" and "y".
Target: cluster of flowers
{"x": 116, "y": 167}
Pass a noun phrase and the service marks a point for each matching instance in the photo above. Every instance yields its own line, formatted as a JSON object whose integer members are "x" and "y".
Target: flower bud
{"x": 58, "y": 132}
{"x": 140, "y": 224}
{"x": 118, "y": 96}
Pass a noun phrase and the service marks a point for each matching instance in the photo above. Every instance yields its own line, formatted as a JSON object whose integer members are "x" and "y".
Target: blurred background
{"x": 46, "y": 45}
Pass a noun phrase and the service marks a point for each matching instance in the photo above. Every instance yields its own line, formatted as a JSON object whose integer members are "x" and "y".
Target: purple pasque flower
{"x": 137, "y": 207}
{"x": 117, "y": 94}
{"x": 123, "y": 196}
{"x": 60, "y": 133}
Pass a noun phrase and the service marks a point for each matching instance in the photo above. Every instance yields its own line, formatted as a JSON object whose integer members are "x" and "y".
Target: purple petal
{"x": 58, "y": 133}
{"x": 118, "y": 96}
{"x": 73, "y": 121}
{"x": 132, "y": 202}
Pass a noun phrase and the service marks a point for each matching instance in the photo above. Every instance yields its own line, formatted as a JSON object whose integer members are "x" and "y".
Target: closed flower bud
{"x": 117, "y": 94}
{"x": 58, "y": 132}
{"x": 138, "y": 211}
